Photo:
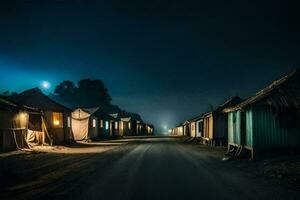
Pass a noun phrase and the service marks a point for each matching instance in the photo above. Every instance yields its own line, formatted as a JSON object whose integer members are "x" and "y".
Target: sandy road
{"x": 145, "y": 168}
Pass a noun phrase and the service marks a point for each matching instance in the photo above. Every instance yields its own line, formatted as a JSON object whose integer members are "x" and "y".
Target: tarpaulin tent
{"x": 21, "y": 127}
{"x": 85, "y": 123}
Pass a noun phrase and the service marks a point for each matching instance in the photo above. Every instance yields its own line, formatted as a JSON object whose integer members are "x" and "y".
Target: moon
{"x": 45, "y": 85}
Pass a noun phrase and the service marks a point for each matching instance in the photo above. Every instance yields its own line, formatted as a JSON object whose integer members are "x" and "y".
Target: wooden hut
{"x": 84, "y": 123}
{"x": 178, "y": 130}
{"x": 57, "y": 116}
{"x": 195, "y": 127}
{"x": 198, "y": 126}
{"x": 21, "y": 127}
{"x": 186, "y": 128}
{"x": 268, "y": 120}
{"x": 215, "y": 123}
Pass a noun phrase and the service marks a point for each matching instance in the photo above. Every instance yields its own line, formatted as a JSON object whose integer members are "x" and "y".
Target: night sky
{"x": 167, "y": 60}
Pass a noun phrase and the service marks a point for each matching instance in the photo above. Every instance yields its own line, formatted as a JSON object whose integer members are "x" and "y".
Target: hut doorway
{"x": 243, "y": 128}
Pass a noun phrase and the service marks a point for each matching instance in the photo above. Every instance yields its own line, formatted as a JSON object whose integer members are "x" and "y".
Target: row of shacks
{"x": 267, "y": 121}
{"x": 31, "y": 118}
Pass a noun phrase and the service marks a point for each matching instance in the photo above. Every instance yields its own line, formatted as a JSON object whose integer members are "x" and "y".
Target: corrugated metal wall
{"x": 268, "y": 134}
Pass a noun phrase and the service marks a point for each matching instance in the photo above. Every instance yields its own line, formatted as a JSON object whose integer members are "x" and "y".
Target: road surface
{"x": 141, "y": 169}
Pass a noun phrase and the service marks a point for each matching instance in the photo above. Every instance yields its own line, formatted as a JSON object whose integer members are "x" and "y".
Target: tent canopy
{"x": 84, "y": 123}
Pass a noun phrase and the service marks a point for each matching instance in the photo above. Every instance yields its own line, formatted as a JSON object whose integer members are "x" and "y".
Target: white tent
{"x": 84, "y": 124}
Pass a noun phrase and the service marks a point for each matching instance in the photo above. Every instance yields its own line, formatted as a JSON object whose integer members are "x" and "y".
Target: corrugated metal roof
{"x": 283, "y": 92}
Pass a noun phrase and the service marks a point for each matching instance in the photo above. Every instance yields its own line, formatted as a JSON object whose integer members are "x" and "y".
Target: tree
{"x": 92, "y": 93}
{"x": 65, "y": 89}
{"x": 88, "y": 93}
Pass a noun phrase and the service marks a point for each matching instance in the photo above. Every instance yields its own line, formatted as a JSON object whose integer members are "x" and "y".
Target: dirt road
{"x": 140, "y": 168}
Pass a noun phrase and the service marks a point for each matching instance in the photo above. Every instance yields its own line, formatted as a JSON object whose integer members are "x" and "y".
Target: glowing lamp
{"x": 22, "y": 115}
{"x": 56, "y": 122}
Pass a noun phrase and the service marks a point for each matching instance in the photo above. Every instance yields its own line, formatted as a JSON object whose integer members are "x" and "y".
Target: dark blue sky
{"x": 167, "y": 60}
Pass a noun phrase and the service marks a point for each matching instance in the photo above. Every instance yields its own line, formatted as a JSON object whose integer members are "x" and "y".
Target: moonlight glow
{"x": 45, "y": 85}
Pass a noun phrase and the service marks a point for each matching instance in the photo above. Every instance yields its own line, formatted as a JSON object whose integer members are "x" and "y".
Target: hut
{"x": 268, "y": 120}
{"x": 215, "y": 123}
{"x": 21, "y": 127}
{"x": 186, "y": 128}
{"x": 84, "y": 123}
{"x": 194, "y": 126}
{"x": 57, "y": 116}
{"x": 139, "y": 127}
{"x": 198, "y": 126}
{"x": 178, "y": 130}
{"x": 149, "y": 129}
{"x": 104, "y": 120}
{"x": 125, "y": 126}
{"x": 115, "y": 124}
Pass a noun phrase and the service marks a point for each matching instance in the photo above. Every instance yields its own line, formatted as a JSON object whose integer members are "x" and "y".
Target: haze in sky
{"x": 166, "y": 60}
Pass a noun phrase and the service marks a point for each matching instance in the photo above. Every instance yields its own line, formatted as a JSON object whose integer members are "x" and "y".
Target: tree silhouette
{"x": 88, "y": 93}
{"x": 65, "y": 90}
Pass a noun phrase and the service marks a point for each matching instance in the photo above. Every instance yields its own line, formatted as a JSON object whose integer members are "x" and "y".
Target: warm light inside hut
{"x": 57, "y": 119}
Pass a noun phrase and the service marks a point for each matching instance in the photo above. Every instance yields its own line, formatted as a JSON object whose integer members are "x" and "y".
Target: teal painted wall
{"x": 268, "y": 134}
{"x": 234, "y": 127}
{"x": 249, "y": 129}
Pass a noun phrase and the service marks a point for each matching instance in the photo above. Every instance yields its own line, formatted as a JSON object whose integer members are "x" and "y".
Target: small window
{"x": 57, "y": 119}
{"x": 101, "y": 123}
{"x": 116, "y": 125}
{"x": 69, "y": 121}
{"x": 94, "y": 123}
{"x": 129, "y": 125}
{"x": 106, "y": 125}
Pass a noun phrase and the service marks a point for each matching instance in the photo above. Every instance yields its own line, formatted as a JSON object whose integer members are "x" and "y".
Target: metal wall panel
{"x": 268, "y": 134}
